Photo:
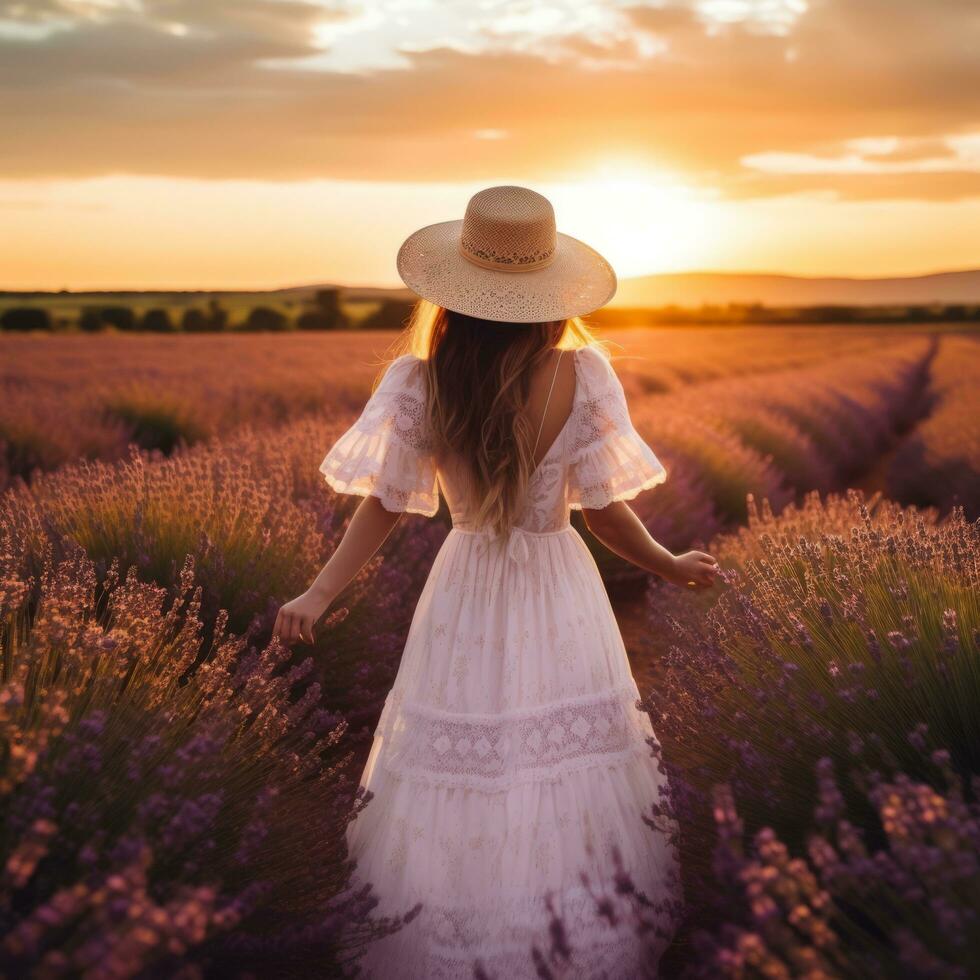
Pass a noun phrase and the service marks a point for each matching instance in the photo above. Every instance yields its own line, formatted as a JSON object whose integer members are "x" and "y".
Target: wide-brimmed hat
{"x": 506, "y": 261}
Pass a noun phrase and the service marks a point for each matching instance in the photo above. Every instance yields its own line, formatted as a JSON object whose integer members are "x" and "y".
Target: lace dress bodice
{"x": 597, "y": 457}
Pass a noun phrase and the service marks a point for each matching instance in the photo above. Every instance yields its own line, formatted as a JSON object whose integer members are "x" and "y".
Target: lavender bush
{"x": 840, "y": 630}
{"x": 818, "y": 644}
{"x": 812, "y": 428}
{"x": 896, "y": 897}
{"x": 169, "y": 801}
{"x": 821, "y": 740}
{"x": 659, "y": 359}
{"x": 237, "y": 518}
{"x": 258, "y": 521}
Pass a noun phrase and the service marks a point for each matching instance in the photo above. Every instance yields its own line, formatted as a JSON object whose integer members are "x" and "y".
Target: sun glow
{"x": 643, "y": 221}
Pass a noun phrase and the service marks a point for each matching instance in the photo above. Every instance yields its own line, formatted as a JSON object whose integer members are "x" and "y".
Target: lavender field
{"x": 176, "y": 787}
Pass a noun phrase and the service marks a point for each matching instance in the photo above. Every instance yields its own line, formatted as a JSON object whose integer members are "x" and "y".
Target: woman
{"x": 510, "y": 758}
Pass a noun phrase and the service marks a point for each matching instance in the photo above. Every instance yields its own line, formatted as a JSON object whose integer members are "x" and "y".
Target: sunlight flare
{"x": 641, "y": 220}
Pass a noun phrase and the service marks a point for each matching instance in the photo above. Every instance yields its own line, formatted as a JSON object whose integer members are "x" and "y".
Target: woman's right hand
{"x": 693, "y": 570}
{"x": 297, "y": 617}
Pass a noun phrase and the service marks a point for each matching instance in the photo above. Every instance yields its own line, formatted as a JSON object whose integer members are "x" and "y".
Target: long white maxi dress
{"x": 510, "y": 756}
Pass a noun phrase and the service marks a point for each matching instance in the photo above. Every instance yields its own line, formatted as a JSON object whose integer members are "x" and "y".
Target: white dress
{"x": 510, "y": 756}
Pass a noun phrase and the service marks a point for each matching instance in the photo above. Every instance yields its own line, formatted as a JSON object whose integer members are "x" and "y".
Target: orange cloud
{"x": 188, "y": 88}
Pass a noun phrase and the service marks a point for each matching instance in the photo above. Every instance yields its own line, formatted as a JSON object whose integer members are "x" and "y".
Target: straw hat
{"x": 506, "y": 261}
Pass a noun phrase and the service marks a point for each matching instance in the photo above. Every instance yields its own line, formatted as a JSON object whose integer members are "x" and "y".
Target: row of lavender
{"x": 156, "y": 764}
{"x": 90, "y": 396}
{"x": 69, "y": 397}
{"x": 939, "y": 464}
{"x": 774, "y": 434}
{"x": 818, "y": 724}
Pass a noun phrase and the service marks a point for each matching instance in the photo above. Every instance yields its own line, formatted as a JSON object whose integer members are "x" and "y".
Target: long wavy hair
{"x": 478, "y": 374}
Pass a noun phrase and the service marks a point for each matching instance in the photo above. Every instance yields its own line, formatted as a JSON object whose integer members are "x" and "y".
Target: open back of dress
{"x": 511, "y": 756}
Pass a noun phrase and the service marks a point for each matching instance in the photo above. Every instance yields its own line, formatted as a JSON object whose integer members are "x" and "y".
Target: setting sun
{"x": 643, "y": 221}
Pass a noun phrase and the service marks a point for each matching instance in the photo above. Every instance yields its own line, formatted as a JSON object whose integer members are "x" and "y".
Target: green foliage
{"x": 266, "y": 318}
{"x": 25, "y": 318}
{"x": 157, "y": 321}
{"x": 392, "y": 314}
{"x": 327, "y": 312}
{"x": 90, "y": 320}
{"x": 119, "y": 317}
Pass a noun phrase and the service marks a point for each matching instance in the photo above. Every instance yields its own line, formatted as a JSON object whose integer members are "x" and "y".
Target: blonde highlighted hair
{"x": 478, "y": 374}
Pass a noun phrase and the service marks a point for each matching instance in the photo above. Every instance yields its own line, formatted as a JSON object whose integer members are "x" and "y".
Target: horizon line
{"x": 326, "y": 284}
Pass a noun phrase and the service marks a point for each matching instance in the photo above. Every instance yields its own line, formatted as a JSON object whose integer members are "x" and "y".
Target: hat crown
{"x": 509, "y": 228}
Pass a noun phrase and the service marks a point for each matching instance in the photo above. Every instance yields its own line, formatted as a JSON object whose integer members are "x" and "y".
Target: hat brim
{"x": 577, "y": 281}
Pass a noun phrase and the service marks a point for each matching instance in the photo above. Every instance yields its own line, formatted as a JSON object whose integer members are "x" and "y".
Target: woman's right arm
{"x": 623, "y": 533}
{"x": 366, "y": 532}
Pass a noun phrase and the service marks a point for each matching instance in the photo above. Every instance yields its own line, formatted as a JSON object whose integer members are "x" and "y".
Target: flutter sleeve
{"x": 609, "y": 460}
{"x": 387, "y": 452}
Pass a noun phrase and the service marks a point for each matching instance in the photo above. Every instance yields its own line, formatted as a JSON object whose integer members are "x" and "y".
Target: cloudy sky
{"x": 266, "y": 142}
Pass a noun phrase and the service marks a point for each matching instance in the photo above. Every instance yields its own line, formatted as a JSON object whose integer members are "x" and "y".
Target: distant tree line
{"x": 324, "y": 312}
{"x": 756, "y": 313}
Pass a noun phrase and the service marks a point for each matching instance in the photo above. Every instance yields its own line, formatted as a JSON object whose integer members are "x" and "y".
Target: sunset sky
{"x": 259, "y": 143}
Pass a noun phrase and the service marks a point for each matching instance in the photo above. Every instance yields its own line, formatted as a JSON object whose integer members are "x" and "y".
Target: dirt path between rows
{"x": 875, "y": 478}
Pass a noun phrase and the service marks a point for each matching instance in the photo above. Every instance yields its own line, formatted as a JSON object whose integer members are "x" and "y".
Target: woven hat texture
{"x": 506, "y": 261}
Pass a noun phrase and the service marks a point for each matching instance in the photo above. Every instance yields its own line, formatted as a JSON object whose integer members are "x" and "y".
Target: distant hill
{"x": 693, "y": 289}
{"x": 720, "y": 288}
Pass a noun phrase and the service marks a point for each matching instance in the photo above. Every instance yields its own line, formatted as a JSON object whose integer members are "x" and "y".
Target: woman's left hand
{"x": 297, "y": 617}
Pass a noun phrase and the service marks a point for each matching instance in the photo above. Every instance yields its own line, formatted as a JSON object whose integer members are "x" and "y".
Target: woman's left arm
{"x": 366, "y": 532}
{"x": 623, "y": 533}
